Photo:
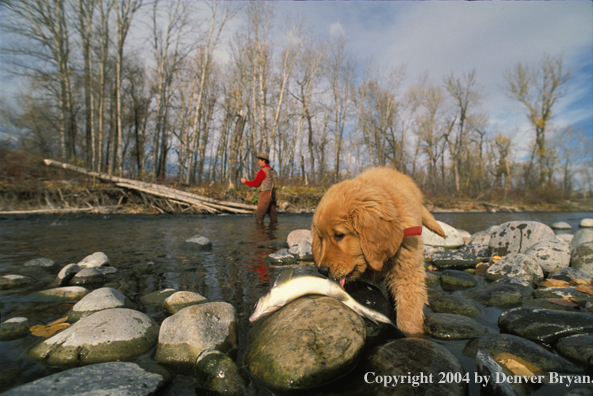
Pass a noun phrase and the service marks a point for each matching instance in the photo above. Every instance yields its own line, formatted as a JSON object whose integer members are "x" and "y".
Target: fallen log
{"x": 208, "y": 205}
{"x": 100, "y": 209}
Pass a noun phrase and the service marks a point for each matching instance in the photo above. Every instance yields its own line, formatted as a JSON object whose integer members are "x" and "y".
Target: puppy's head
{"x": 355, "y": 227}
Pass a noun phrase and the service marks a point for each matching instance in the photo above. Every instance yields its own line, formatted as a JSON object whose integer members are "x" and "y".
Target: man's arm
{"x": 259, "y": 178}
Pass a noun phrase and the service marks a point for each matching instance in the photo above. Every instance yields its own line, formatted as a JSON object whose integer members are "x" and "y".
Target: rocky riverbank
{"x": 516, "y": 299}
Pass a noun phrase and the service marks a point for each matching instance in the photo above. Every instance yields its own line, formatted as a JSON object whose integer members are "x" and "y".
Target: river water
{"x": 234, "y": 270}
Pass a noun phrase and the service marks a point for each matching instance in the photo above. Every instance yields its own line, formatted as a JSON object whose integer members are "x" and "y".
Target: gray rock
{"x": 453, "y": 240}
{"x": 580, "y": 237}
{"x": 518, "y": 236}
{"x": 107, "y": 335}
{"x": 197, "y": 242}
{"x": 459, "y": 259}
{"x": 480, "y": 238}
{"x": 39, "y": 267}
{"x": 66, "y": 274}
{"x": 523, "y": 348}
{"x": 457, "y": 280}
{"x": 447, "y": 326}
{"x": 64, "y": 294}
{"x": 112, "y": 378}
{"x": 582, "y": 258}
{"x": 15, "y": 281}
{"x": 567, "y": 238}
{"x": 568, "y": 274}
{"x": 586, "y": 223}
{"x": 544, "y": 325}
{"x": 297, "y": 236}
{"x": 98, "y": 300}
{"x": 561, "y": 225}
{"x": 577, "y": 347}
{"x": 503, "y": 296}
{"x": 97, "y": 259}
{"x": 542, "y": 303}
{"x": 490, "y": 368}
{"x": 307, "y": 343}
{"x": 182, "y": 299}
{"x": 417, "y": 356}
{"x": 157, "y": 297}
{"x": 302, "y": 251}
{"x": 94, "y": 275}
{"x": 516, "y": 265}
{"x": 562, "y": 292}
{"x": 283, "y": 256}
{"x": 432, "y": 279}
{"x": 464, "y": 234}
{"x": 550, "y": 255}
{"x": 216, "y": 372}
{"x": 522, "y": 285}
{"x": 429, "y": 251}
{"x": 15, "y": 328}
{"x": 194, "y": 329}
{"x": 455, "y": 304}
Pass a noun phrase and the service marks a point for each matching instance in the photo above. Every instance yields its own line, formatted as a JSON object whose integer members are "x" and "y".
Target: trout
{"x": 288, "y": 288}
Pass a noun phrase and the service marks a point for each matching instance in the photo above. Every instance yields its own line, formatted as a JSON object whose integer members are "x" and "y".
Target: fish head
{"x": 264, "y": 306}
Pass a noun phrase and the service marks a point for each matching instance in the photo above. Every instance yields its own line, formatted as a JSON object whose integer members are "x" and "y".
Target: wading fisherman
{"x": 267, "y": 181}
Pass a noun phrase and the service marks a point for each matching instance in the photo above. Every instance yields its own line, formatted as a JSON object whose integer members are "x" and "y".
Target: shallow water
{"x": 234, "y": 270}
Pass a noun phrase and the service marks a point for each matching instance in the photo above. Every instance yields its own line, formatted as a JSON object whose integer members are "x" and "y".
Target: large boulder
{"x": 97, "y": 259}
{"x": 580, "y": 237}
{"x": 297, "y": 236}
{"x": 453, "y": 238}
{"x": 108, "y": 335}
{"x": 518, "y": 237}
{"x": 111, "y": 378}
{"x": 550, "y": 255}
{"x": 307, "y": 343}
{"x": 193, "y": 330}
{"x": 98, "y": 300}
{"x": 516, "y": 265}
{"x": 582, "y": 258}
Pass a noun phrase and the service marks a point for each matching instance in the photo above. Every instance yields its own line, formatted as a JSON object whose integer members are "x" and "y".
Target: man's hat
{"x": 263, "y": 156}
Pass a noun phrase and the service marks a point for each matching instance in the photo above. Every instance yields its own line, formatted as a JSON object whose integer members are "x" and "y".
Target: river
{"x": 234, "y": 270}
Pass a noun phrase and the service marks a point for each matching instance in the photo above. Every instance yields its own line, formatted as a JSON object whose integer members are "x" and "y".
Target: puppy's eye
{"x": 338, "y": 236}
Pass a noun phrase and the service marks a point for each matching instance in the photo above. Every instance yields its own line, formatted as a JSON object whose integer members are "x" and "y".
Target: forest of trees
{"x": 165, "y": 90}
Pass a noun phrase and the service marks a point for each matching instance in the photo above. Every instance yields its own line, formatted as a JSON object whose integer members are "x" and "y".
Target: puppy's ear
{"x": 379, "y": 230}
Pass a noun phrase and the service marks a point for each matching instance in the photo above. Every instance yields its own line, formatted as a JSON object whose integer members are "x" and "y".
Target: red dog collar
{"x": 412, "y": 231}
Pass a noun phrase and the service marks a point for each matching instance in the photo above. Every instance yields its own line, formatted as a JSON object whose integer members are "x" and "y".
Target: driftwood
{"x": 203, "y": 204}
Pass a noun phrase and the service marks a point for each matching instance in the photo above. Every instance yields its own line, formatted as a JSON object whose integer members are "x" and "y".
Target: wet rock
{"x": 15, "y": 328}
{"x": 518, "y": 237}
{"x": 146, "y": 268}
{"x": 586, "y": 223}
{"x": 432, "y": 279}
{"x": 579, "y": 348}
{"x": 516, "y": 265}
{"x": 98, "y": 300}
{"x": 580, "y": 237}
{"x": 522, "y": 285}
{"x": 562, "y": 292}
{"x": 297, "y": 236}
{"x": 112, "y": 378}
{"x": 197, "y": 242}
{"x": 8, "y": 378}
{"x": 417, "y": 356}
{"x": 561, "y": 225}
{"x": 216, "y": 372}
{"x": 94, "y": 275}
{"x": 429, "y": 251}
{"x": 459, "y": 259}
{"x": 523, "y": 348}
{"x": 453, "y": 240}
{"x": 445, "y": 326}
{"x": 182, "y": 299}
{"x": 66, "y": 294}
{"x": 455, "y": 304}
{"x": 490, "y": 368}
{"x": 97, "y": 259}
{"x": 309, "y": 342}
{"x": 457, "y": 280}
{"x": 302, "y": 251}
{"x": 108, "y": 335}
{"x": 550, "y": 255}
{"x": 283, "y": 256}
{"x": 582, "y": 258}
{"x": 194, "y": 329}
{"x": 544, "y": 325}
{"x": 568, "y": 274}
{"x": 542, "y": 303}
{"x": 580, "y": 390}
{"x": 503, "y": 296}
{"x": 66, "y": 274}
{"x": 39, "y": 267}
{"x": 15, "y": 281}
{"x": 157, "y": 297}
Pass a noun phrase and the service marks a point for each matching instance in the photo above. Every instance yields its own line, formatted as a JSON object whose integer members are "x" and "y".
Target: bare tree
{"x": 538, "y": 89}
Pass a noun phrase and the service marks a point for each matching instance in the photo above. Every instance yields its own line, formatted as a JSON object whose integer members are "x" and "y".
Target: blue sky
{"x": 490, "y": 37}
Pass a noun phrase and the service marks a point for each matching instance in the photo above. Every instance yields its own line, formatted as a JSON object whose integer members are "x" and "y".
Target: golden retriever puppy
{"x": 369, "y": 227}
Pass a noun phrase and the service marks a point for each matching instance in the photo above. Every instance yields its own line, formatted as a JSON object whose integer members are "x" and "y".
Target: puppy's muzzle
{"x": 324, "y": 270}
